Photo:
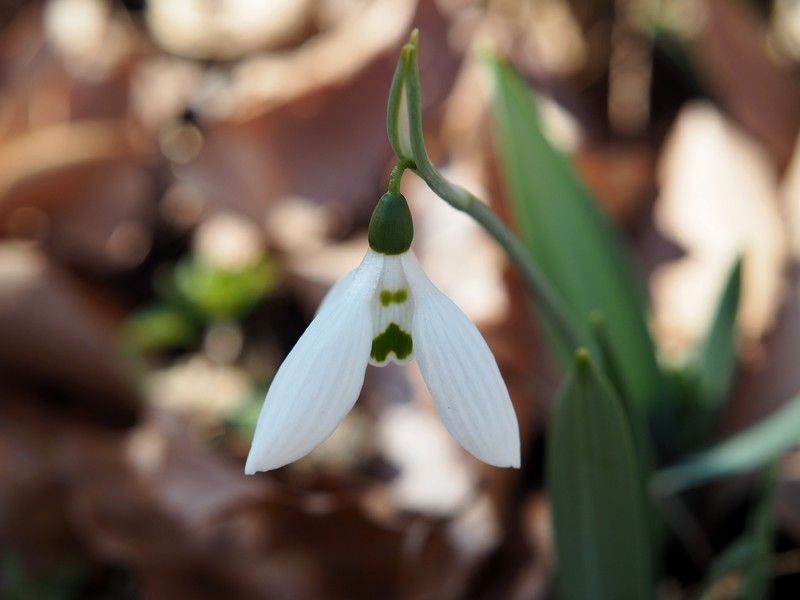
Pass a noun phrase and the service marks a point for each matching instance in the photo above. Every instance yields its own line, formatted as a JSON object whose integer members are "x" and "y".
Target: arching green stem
{"x": 464, "y": 201}
{"x": 397, "y": 174}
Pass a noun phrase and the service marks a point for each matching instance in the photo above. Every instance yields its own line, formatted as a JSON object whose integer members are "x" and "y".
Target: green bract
{"x": 391, "y": 229}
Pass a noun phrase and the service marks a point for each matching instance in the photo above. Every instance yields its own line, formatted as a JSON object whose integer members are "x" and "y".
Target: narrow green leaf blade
{"x": 750, "y": 555}
{"x": 745, "y": 451}
{"x": 573, "y": 241}
{"x": 611, "y": 368}
{"x": 762, "y": 534}
{"x": 718, "y": 354}
{"x": 597, "y": 493}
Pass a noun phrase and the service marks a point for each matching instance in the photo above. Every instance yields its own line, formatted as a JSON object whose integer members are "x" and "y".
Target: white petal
{"x": 318, "y": 383}
{"x": 461, "y": 374}
{"x": 337, "y": 289}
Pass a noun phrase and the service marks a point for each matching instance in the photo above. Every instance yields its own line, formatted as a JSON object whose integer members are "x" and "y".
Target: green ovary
{"x": 393, "y": 339}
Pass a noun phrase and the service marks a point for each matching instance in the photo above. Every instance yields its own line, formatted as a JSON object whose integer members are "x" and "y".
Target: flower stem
{"x": 397, "y": 174}
{"x": 462, "y": 200}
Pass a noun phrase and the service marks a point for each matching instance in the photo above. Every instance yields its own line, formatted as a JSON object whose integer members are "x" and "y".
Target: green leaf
{"x": 597, "y": 493}
{"x": 607, "y": 359}
{"x": 158, "y": 328}
{"x": 748, "y": 558}
{"x": 748, "y": 450}
{"x": 718, "y": 354}
{"x": 612, "y": 370}
{"x": 571, "y": 238}
{"x": 708, "y": 379}
{"x": 223, "y": 294}
{"x": 459, "y": 198}
{"x": 762, "y": 536}
{"x": 64, "y": 580}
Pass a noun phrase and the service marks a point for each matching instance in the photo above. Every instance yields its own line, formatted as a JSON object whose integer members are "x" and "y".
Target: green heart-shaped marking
{"x": 393, "y": 339}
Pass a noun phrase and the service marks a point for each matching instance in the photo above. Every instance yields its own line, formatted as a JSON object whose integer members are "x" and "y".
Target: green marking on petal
{"x": 393, "y": 339}
{"x": 388, "y": 297}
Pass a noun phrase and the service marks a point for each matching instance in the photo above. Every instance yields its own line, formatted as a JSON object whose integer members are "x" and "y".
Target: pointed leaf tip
{"x": 582, "y": 358}
{"x": 596, "y": 490}
{"x": 718, "y": 354}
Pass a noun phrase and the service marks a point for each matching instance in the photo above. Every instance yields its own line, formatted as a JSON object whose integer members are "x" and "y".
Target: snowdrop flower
{"x": 386, "y": 310}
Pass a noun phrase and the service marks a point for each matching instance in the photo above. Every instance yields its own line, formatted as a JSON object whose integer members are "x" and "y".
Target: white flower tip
{"x": 505, "y": 454}
{"x": 512, "y": 463}
{"x": 515, "y": 455}
{"x": 251, "y": 468}
{"x": 515, "y": 463}
{"x": 462, "y": 374}
{"x": 268, "y": 461}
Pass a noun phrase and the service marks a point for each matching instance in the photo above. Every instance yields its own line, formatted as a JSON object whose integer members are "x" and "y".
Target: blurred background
{"x": 182, "y": 180}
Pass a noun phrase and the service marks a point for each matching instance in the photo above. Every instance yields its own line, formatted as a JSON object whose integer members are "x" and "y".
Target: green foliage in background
{"x": 220, "y": 294}
{"x": 599, "y": 447}
{"x": 747, "y": 561}
{"x": 718, "y": 353}
{"x": 700, "y": 389}
{"x": 70, "y": 579}
{"x": 748, "y": 450}
{"x": 596, "y": 490}
{"x": 609, "y": 365}
{"x": 571, "y": 238}
{"x": 626, "y": 430}
{"x": 158, "y": 328}
{"x": 617, "y": 419}
{"x": 194, "y": 294}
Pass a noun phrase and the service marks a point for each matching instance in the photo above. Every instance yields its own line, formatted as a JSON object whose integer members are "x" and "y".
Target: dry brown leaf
{"x": 790, "y": 192}
{"x": 622, "y": 178}
{"x": 82, "y": 190}
{"x": 767, "y": 383}
{"x": 53, "y": 337}
{"x": 244, "y": 534}
{"x": 760, "y": 93}
{"x": 536, "y": 579}
{"x": 337, "y": 54}
{"x": 225, "y": 30}
{"x": 718, "y": 198}
{"x": 42, "y": 456}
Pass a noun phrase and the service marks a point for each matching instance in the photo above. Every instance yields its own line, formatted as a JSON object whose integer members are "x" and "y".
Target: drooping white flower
{"x": 386, "y": 310}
